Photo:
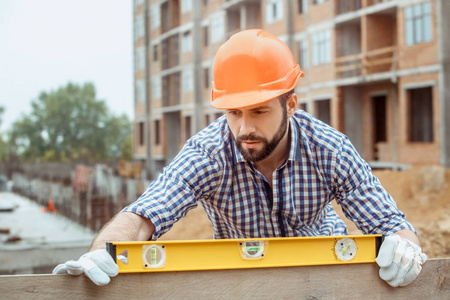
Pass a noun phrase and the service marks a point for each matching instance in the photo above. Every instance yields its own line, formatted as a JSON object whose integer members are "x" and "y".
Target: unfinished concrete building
{"x": 375, "y": 70}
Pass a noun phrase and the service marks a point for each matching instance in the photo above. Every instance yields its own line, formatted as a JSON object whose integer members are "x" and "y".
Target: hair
{"x": 284, "y": 97}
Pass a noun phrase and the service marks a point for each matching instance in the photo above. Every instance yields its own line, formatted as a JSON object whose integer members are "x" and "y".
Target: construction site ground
{"x": 422, "y": 193}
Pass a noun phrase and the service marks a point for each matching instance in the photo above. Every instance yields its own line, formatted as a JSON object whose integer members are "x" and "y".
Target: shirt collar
{"x": 295, "y": 152}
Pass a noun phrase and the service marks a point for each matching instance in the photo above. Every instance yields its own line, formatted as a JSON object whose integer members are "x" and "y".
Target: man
{"x": 266, "y": 169}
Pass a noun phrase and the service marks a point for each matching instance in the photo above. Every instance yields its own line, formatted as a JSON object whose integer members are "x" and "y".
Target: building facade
{"x": 375, "y": 70}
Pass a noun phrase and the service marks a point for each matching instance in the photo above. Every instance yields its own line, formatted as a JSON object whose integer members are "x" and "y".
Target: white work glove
{"x": 98, "y": 265}
{"x": 400, "y": 260}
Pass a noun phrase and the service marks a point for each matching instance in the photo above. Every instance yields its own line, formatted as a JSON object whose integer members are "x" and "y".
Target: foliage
{"x": 70, "y": 124}
{"x": 3, "y": 144}
{"x": 2, "y": 110}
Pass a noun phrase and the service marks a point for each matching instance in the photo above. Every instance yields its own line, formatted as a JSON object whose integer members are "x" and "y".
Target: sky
{"x": 44, "y": 44}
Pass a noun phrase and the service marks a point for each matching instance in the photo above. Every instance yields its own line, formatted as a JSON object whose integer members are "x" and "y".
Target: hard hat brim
{"x": 245, "y": 99}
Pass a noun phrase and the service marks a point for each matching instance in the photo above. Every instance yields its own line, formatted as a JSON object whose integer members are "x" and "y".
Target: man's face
{"x": 258, "y": 129}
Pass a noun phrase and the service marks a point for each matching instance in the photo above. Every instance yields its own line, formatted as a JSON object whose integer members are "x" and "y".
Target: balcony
{"x": 346, "y": 6}
{"x": 374, "y": 61}
{"x": 170, "y": 15}
{"x": 374, "y": 2}
{"x": 170, "y": 52}
{"x": 242, "y": 15}
{"x": 171, "y": 89}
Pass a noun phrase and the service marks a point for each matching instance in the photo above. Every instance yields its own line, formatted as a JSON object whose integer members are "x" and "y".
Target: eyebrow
{"x": 252, "y": 109}
{"x": 260, "y": 107}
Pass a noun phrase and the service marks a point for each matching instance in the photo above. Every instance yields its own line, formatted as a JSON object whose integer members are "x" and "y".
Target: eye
{"x": 233, "y": 112}
{"x": 259, "y": 112}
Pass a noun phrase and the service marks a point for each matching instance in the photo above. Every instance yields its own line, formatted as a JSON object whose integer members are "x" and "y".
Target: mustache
{"x": 250, "y": 137}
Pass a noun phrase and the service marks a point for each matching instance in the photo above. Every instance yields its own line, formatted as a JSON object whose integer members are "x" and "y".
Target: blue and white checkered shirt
{"x": 322, "y": 166}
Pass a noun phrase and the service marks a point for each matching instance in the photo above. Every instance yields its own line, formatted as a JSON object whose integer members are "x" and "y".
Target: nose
{"x": 247, "y": 125}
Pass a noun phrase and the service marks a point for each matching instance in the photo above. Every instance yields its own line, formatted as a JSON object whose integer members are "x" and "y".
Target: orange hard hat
{"x": 252, "y": 67}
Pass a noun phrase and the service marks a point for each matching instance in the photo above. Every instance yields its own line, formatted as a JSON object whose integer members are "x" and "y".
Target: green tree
{"x": 70, "y": 124}
{"x": 3, "y": 145}
{"x": 2, "y": 110}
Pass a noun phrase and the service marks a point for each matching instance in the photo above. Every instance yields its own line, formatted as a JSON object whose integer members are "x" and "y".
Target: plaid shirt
{"x": 322, "y": 166}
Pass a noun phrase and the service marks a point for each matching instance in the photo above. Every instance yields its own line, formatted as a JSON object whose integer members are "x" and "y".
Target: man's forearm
{"x": 124, "y": 226}
{"x": 409, "y": 235}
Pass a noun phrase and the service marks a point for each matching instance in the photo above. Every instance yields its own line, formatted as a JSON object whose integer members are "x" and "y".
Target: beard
{"x": 254, "y": 155}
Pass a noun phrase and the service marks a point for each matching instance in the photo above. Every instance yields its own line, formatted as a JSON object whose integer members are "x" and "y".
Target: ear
{"x": 291, "y": 104}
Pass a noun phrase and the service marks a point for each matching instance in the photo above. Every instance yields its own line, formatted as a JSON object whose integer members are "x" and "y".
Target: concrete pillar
{"x": 443, "y": 27}
{"x": 243, "y": 17}
{"x": 289, "y": 25}
{"x": 393, "y": 101}
{"x": 353, "y": 116}
{"x": 197, "y": 52}
{"x": 149, "y": 165}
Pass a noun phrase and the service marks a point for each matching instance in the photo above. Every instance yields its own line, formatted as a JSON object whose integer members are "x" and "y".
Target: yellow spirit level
{"x": 166, "y": 256}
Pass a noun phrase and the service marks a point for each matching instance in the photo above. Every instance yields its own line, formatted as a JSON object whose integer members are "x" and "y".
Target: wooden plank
{"x": 380, "y": 51}
{"x": 349, "y": 58}
{"x": 348, "y": 68}
{"x": 356, "y": 281}
{"x": 378, "y": 62}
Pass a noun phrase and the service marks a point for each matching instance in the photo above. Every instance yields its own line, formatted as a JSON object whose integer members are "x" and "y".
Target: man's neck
{"x": 278, "y": 156}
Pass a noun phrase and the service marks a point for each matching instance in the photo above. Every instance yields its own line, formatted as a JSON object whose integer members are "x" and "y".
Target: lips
{"x": 250, "y": 144}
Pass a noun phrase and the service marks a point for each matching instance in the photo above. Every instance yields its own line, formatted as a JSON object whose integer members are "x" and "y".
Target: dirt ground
{"x": 422, "y": 193}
